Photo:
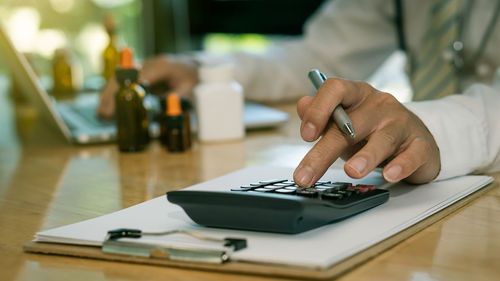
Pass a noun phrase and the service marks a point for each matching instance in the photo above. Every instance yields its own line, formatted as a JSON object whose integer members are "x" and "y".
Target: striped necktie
{"x": 433, "y": 75}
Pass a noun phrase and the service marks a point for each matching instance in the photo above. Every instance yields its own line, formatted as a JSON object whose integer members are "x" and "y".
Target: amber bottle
{"x": 173, "y": 135}
{"x": 171, "y": 117}
{"x": 110, "y": 55}
{"x": 131, "y": 115}
{"x": 62, "y": 74}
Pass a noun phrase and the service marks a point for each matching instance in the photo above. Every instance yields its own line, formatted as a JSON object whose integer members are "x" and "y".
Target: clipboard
{"x": 260, "y": 268}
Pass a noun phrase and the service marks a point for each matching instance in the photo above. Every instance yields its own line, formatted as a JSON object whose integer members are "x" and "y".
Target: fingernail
{"x": 304, "y": 175}
{"x": 393, "y": 173}
{"x": 358, "y": 164}
{"x": 309, "y": 131}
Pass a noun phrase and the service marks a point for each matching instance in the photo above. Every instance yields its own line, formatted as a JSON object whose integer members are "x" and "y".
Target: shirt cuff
{"x": 458, "y": 132}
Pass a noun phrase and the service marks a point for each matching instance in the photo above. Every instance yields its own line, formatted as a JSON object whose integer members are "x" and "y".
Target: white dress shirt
{"x": 352, "y": 38}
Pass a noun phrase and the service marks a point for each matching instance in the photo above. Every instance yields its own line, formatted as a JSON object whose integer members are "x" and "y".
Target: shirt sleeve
{"x": 344, "y": 38}
{"x": 466, "y": 129}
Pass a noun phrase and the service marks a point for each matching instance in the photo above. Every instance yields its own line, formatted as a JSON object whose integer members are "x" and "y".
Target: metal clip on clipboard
{"x": 114, "y": 246}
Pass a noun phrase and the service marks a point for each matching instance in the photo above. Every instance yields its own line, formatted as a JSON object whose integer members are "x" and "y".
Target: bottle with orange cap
{"x": 173, "y": 128}
{"x": 131, "y": 114}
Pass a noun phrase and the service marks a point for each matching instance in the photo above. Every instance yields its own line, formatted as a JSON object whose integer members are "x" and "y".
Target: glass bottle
{"x": 131, "y": 114}
{"x": 110, "y": 55}
{"x": 62, "y": 74}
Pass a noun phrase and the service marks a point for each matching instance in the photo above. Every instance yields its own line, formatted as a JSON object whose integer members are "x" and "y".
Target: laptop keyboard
{"x": 88, "y": 113}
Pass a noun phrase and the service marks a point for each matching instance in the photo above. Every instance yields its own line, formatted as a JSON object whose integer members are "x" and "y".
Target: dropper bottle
{"x": 174, "y": 135}
{"x": 131, "y": 115}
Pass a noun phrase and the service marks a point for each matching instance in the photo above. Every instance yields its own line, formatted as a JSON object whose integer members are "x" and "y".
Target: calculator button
{"x": 247, "y": 186}
{"x": 271, "y": 187}
{"x": 345, "y": 193}
{"x": 241, "y": 189}
{"x": 255, "y": 184}
{"x": 291, "y": 187}
{"x": 370, "y": 187}
{"x": 321, "y": 187}
{"x": 260, "y": 189}
{"x": 267, "y": 182}
{"x": 342, "y": 185}
{"x": 338, "y": 185}
{"x": 331, "y": 195}
{"x": 285, "y": 191}
{"x": 308, "y": 192}
{"x": 289, "y": 182}
{"x": 354, "y": 190}
{"x": 363, "y": 189}
{"x": 322, "y": 182}
{"x": 324, "y": 185}
{"x": 283, "y": 184}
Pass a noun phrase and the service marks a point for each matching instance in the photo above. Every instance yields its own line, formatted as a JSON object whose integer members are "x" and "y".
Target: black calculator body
{"x": 278, "y": 205}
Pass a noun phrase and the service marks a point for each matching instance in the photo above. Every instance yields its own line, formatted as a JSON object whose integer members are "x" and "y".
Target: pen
{"x": 339, "y": 115}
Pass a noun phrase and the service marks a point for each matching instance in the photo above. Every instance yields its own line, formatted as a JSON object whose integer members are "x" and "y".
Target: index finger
{"x": 320, "y": 157}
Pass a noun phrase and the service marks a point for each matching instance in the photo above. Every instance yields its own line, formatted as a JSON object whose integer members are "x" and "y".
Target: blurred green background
{"x": 39, "y": 27}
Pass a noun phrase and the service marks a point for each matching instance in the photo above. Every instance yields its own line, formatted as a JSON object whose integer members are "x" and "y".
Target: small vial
{"x": 174, "y": 135}
{"x": 186, "y": 126}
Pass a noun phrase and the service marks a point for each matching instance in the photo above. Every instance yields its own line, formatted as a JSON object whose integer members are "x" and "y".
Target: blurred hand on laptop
{"x": 160, "y": 75}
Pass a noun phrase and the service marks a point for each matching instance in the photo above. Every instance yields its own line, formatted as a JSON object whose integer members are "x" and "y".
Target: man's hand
{"x": 161, "y": 74}
{"x": 386, "y": 133}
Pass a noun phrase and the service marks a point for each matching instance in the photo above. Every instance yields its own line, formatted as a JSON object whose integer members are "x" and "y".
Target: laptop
{"x": 76, "y": 119}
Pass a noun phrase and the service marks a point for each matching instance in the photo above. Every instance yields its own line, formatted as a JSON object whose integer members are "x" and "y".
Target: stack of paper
{"x": 318, "y": 248}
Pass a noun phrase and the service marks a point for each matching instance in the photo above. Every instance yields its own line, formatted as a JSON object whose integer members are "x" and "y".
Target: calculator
{"x": 278, "y": 205}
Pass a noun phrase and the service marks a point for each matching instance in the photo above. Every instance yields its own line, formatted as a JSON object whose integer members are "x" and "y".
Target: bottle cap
{"x": 216, "y": 73}
{"x": 127, "y": 58}
{"x": 173, "y": 105}
{"x": 126, "y": 71}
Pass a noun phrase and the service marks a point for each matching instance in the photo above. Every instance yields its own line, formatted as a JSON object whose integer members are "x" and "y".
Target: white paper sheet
{"x": 318, "y": 248}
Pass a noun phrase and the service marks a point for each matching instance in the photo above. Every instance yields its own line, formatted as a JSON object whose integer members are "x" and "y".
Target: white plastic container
{"x": 219, "y": 105}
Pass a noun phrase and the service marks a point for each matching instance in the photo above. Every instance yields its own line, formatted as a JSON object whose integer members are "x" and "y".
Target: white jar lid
{"x": 213, "y": 73}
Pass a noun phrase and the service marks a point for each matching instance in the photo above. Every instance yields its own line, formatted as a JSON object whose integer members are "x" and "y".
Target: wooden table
{"x": 45, "y": 182}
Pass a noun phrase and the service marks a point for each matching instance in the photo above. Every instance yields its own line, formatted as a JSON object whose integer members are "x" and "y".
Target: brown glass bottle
{"x": 131, "y": 115}
{"x": 173, "y": 124}
{"x": 171, "y": 118}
